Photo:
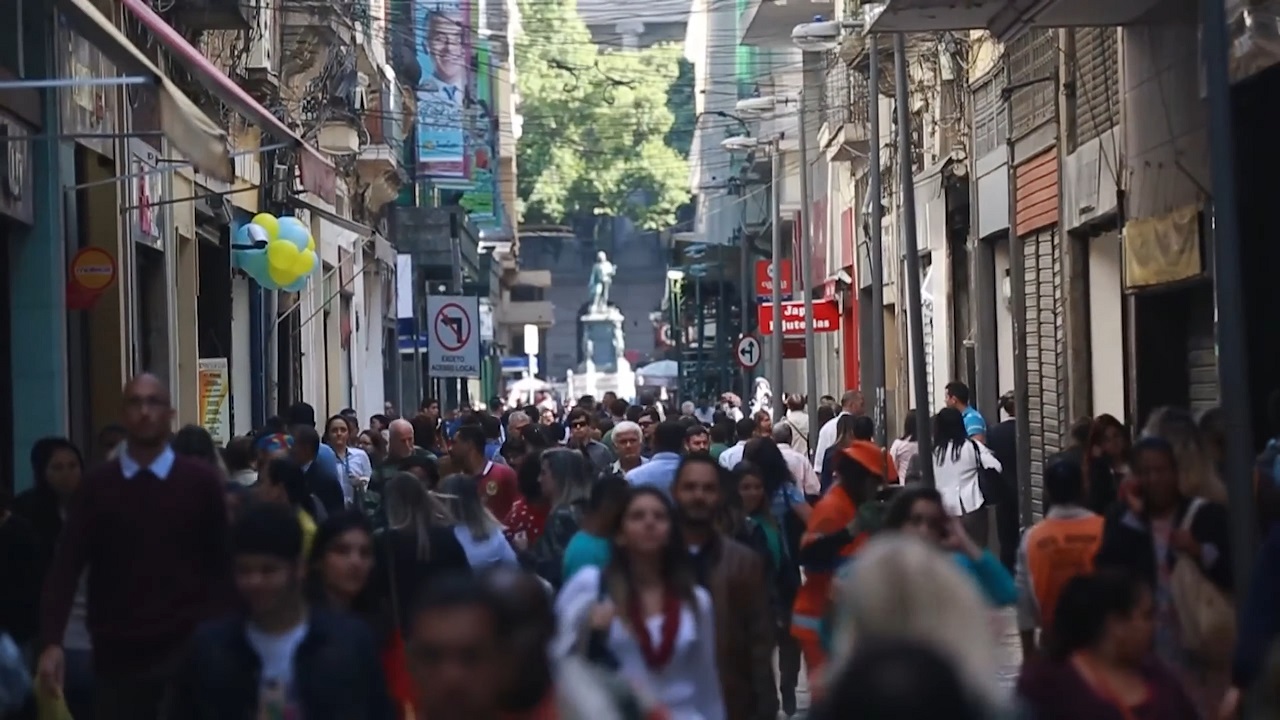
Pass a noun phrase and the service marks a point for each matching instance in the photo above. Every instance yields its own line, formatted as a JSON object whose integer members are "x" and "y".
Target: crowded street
{"x": 682, "y": 360}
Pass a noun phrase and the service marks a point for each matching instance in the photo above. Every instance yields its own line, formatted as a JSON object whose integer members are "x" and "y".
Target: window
{"x": 1097, "y": 81}
{"x": 526, "y": 293}
{"x": 1033, "y": 56}
{"x": 990, "y": 121}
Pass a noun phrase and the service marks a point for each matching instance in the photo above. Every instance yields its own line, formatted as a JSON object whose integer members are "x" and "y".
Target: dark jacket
{"x": 1127, "y": 543}
{"x": 546, "y": 558}
{"x": 1260, "y": 613}
{"x": 326, "y": 487}
{"x": 399, "y": 575}
{"x": 337, "y": 672}
{"x": 745, "y": 630}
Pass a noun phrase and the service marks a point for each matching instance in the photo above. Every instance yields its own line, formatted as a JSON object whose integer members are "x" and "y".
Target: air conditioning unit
{"x": 262, "y": 38}
{"x": 360, "y": 97}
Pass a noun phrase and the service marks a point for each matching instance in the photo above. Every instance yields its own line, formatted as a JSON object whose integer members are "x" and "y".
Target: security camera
{"x": 817, "y": 36}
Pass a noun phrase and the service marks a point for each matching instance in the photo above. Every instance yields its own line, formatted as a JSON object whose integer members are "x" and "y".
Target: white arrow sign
{"x": 748, "y": 351}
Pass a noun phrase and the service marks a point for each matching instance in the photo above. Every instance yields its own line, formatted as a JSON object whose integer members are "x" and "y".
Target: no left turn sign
{"x": 748, "y": 351}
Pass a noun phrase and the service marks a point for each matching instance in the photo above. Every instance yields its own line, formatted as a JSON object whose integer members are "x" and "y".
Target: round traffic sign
{"x": 452, "y": 327}
{"x": 747, "y": 351}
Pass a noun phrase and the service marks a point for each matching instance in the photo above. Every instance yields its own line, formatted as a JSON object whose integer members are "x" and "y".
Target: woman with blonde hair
{"x": 566, "y": 480}
{"x": 893, "y": 595}
{"x": 1197, "y": 471}
{"x": 479, "y": 532}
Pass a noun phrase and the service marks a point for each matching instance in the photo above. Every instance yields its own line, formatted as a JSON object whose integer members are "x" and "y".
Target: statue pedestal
{"x": 605, "y": 367}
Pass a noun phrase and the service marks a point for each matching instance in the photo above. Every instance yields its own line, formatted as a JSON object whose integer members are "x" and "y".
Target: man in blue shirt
{"x": 974, "y": 424}
{"x": 660, "y": 471}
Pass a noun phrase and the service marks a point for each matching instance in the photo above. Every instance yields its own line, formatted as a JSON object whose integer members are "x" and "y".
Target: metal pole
{"x": 910, "y": 248}
{"x": 1233, "y": 379}
{"x": 419, "y": 309}
{"x": 775, "y": 252}
{"x": 806, "y": 249}
{"x": 1018, "y": 309}
{"x": 700, "y": 374}
{"x": 876, "y": 191}
{"x": 746, "y": 284}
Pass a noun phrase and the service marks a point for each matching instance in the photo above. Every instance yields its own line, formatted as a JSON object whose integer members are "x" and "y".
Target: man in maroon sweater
{"x": 150, "y": 528}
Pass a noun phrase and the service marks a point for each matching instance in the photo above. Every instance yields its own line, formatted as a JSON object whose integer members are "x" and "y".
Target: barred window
{"x": 990, "y": 121}
{"x": 1033, "y": 55}
{"x": 1097, "y": 82}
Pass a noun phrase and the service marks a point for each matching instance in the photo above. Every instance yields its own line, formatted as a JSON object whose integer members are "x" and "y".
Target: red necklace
{"x": 657, "y": 658}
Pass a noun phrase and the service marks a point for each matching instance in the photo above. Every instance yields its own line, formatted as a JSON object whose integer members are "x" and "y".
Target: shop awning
{"x": 192, "y": 132}
{"x": 318, "y": 174}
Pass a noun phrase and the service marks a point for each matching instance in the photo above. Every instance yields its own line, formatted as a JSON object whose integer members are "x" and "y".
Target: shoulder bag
{"x": 990, "y": 483}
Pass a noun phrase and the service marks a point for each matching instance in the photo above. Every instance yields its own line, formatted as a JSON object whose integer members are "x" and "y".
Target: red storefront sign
{"x": 793, "y": 348}
{"x": 826, "y": 317}
{"x": 765, "y": 272}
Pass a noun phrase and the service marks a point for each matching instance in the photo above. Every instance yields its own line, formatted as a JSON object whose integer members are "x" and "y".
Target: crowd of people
{"x": 626, "y": 560}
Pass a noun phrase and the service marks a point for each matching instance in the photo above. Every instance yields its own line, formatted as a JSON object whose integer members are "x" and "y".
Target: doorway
{"x": 152, "y": 310}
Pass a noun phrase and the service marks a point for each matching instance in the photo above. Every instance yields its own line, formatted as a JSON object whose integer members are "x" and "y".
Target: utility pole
{"x": 875, "y": 191}
{"x": 910, "y": 248}
{"x": 775, "y": 281}
{"x": 1233, "y": 379}
{"x": 806, "y": 250}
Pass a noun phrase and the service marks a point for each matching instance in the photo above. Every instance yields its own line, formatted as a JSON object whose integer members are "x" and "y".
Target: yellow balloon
{"x": 281, "y": 255}
{"x": 303, "y": 264}
{"x": 281, "y": 276}
{"x": 267, "y": 222}
{"x": 311, "y": 243}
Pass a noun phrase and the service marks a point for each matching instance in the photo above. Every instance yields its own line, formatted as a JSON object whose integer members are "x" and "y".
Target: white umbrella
{"x": 660, "y": 370}
{"x": 528, "y": 386}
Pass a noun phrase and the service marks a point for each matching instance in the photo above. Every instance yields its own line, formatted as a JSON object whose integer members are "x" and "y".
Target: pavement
{"x": 1008, "y": 649}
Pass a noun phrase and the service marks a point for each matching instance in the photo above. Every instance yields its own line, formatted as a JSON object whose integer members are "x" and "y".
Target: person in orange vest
{"x": 835, "y": 531}
{"x": 1054, "y": 550}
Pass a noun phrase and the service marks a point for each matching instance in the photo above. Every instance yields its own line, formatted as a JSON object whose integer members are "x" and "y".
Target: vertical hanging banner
{"x": 481, "y": 142}
{"x": 442, "y": 30}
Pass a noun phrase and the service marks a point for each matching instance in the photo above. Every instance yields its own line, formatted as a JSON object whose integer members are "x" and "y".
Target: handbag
{"x": 1206, "y": 614}
{"x": 990, "y": 484}
{"x": 594, "y": 645}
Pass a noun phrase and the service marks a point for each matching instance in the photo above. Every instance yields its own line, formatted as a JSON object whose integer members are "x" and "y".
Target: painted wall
{"x": 1106, "y": 326}
{"x": 241, "y": 358}
{"x": 37, "y": 281}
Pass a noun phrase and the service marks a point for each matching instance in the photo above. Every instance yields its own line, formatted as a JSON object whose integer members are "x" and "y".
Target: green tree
{"x": 596, "y": 124}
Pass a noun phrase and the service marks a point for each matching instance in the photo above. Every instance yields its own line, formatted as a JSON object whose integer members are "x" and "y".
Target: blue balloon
{"x": 298, "y": 285}
{"x": 241, "y": 239}
{"x": 253, "y": 262}
{"x": 292, "y": 229}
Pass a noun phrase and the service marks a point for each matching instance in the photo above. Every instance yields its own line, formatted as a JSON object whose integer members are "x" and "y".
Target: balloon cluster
{"x": 278, "y": 253}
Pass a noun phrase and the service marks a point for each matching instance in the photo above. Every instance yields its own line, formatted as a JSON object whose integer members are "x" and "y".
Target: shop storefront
{"x": 17, "y": 215}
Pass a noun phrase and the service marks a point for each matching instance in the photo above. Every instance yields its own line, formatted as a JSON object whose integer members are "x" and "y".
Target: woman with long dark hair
{"x": 748, "y": 496}
{"x": 1105, "y": 463}
{"x": 1158, "y": 534}
{"x": 958, "y": 466}
{"x": 1100, "y": 665}
{"x": 340, "y": 578}
{"x": 56, "y": 469}
{"x": 648, "y": 611}
{"x": 527, "y": 517}
{"x": 905, "y": 448}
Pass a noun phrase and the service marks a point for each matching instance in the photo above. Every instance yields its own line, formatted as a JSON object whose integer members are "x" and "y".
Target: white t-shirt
{"x": 276, "y": 651}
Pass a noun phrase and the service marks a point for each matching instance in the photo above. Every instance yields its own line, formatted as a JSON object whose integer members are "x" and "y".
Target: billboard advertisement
{"x": 443, "y": 32}
{"x": 481, "y": 142}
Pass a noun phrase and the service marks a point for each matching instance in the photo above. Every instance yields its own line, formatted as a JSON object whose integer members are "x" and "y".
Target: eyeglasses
{"x": 645, "y": 424}
{"x": 578, "y": 424}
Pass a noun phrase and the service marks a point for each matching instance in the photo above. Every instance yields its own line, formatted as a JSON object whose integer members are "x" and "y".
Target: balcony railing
{"x": 845, "y": 96}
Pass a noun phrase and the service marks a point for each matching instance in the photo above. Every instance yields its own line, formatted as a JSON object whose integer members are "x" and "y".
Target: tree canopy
{"x": 595, "y": 124}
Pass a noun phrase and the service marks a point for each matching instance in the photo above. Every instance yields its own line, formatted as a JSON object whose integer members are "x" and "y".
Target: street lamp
{"x": 741, "y": 144}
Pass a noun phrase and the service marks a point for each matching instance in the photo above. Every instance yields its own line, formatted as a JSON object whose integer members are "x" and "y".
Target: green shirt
{"x": 716, "y": 449}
